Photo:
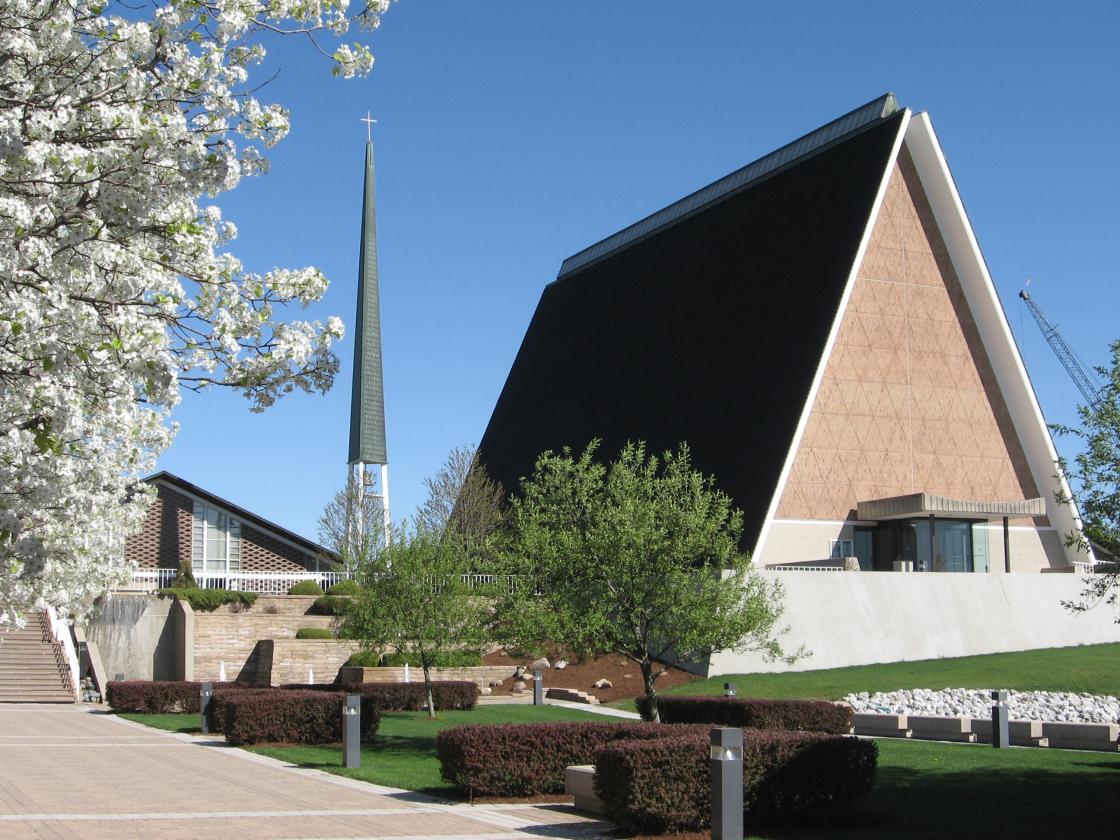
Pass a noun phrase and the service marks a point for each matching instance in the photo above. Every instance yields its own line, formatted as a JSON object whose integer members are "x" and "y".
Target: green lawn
{"x": 933, "y": 790}
{"x": 172, "y": 723}
{"x": 923, "y": 790}
{"x": 1094, "y": 669}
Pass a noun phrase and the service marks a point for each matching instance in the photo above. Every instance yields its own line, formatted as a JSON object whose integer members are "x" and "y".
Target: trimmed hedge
{"x": 345, "y": 587}
{"x": 745, "y": 713}
{"x": 789, "y": 777}
{"x": 528, "y": 759}
{"x": 153, "y": 696}
{"x": 442, "y": 659}
{"x": 314, "y": 633}
{"x": 306, "y": 587}
{"x": 291, "y": 717}
{"x": 330, "y": 605}
{"x": 209, "y": 599}
{"x": 363, "y": 658}
{"x": 411, "y": 697}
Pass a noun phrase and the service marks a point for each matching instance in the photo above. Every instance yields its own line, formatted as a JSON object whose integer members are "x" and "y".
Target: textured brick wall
{"x": 165, "y": 538}
{"x": 909, "y": 401}
{"x": 262, "y": 553}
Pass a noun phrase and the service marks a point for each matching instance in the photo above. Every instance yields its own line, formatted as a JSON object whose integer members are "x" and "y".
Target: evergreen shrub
{"x": 348, "y": 588}
{"x": 306, "y": 587}
{"x": 209, "y": 599}
{"x": 314, "y": 633}
{"x": 364, "y": 659}
{"x": 441, "y": 659}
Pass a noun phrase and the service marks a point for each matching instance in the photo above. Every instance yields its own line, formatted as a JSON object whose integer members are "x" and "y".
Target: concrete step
{"x": 571, "y": 695}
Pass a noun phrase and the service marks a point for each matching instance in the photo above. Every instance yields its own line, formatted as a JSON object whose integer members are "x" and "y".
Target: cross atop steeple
{"x": 369, "y": 121}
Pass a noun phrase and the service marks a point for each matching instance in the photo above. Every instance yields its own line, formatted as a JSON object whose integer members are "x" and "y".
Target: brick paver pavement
{"x": 68, "y": 772}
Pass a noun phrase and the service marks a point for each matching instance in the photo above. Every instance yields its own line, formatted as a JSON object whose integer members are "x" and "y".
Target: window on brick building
{"x": 216, "y": 540}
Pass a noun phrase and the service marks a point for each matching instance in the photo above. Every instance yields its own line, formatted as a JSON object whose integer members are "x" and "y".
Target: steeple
{"x": 367, "y": 397}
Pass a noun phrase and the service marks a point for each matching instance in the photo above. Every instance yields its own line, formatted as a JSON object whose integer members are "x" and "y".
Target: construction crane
{"x": 1078, "y": 372}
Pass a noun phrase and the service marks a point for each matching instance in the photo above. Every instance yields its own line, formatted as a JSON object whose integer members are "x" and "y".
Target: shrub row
{"x": 442, "y": 659}
{"x": 789, "y": 777}
{"x": 529, "y": 759}
{"x": 209, "y": 599}
{"x": 792, "y": 715}
{"x": 155, "y": 696}
{"x": 290, "y": 717}
{"x": 411, "y": 697}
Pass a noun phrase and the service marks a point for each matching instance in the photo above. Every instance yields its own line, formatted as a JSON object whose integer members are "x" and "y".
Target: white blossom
{"x": 114, "y": 291}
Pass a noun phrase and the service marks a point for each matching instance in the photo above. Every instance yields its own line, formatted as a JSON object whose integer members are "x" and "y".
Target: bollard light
{"x": 352, "y": 731}
{"x": 727, "y": 783}
{"x": 1001, "y": 737}
{"x": 729, "y": 690}
{"x": 538, "y": 689}
{"x": 205, "y": 695}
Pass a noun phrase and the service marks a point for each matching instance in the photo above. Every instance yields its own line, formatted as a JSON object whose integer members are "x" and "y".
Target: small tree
{"x": 639, "y": 558}
{"x": 464, "y": 505}
{"x": 356, "y": 539}
{"x": 415, "y": 597}
{"x": 1096, "y": 475}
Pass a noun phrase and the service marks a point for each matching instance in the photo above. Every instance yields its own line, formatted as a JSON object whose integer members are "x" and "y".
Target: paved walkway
{"x": 67, "y": 772}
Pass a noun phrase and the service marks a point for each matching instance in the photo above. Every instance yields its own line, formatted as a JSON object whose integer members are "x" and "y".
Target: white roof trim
{"x": 995, "y": 332}
{"x": 807, "y": 408}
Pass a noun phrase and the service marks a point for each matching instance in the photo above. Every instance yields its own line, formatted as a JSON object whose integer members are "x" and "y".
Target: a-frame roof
{"x": 708, "y": 327}
{"x": 246, "y": 516}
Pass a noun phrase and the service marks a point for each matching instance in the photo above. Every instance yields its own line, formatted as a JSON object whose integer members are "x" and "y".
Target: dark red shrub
{"x": 529, "y": 758}
{"x": 155, "y": 696}
{"x": 291, "y": 717}
{"x": 411, "y": 697}
{"x": 789, "y": 777}
{"x": 745, "y": 713}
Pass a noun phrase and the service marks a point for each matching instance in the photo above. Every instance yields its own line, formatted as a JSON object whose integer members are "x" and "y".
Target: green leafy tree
{"x": 415, "y": 597}
{"x": 1096, "y": 475}
{"x": 639, "y": 558}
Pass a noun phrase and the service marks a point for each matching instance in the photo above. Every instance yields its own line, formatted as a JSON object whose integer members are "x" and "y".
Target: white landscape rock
{"x": 977, "y": 703}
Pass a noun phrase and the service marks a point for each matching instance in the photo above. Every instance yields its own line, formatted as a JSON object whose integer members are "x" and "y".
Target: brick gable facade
{"x": 165, "y": 539}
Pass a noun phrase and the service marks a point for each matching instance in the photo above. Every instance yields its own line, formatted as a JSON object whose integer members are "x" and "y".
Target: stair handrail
{"x": 60, "y": 630}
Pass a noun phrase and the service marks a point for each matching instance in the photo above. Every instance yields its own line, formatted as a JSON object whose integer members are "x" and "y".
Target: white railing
{"x": 264, "y": 583}
{"x": 796, "y": 568}
{"x": 60, "y": 631}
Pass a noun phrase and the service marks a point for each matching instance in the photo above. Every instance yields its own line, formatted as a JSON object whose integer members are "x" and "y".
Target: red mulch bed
{"x": 624, "y": 675}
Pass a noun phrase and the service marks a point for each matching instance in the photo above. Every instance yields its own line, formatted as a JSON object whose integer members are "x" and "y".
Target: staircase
{"x": 33, "y": 666}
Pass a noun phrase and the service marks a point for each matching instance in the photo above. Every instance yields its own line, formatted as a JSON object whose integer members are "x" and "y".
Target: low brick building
{"x": 227, "y": 546}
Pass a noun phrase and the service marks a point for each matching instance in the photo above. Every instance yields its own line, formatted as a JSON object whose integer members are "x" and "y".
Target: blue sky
{"x": 512, "y": 135}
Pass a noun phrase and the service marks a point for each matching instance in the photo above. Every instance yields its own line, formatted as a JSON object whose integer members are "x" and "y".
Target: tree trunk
{"x": 426, "y": 665}
{"x": 651, "y": 692}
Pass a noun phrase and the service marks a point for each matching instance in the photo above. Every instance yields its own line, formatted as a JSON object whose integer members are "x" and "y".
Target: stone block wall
{"x": 281, "y": 661}
{"x": 483, "y": 675}
{"x": 230, "y": 634}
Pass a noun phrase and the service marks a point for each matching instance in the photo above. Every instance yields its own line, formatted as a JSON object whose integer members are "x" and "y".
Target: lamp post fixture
{"x": 1001, "y": 738}
{"x": 205, "y": 695}
{"x": 727, "y": 783}
{"x": 351, "y": 731}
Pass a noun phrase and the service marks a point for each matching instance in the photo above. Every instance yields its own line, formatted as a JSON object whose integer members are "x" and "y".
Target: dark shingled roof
{"x": 707, "y": 331}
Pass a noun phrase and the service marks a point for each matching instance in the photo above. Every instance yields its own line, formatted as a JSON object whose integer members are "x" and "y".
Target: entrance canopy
{"x": 927, "y": 504}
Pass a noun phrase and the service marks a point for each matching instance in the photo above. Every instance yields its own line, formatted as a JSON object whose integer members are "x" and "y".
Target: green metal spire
{"x": 367, "y": 398}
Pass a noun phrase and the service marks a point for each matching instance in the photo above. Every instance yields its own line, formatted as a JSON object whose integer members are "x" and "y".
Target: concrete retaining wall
{"x": 135, "y": 635}
{"x": 1023, "y": 733}
{"x": 860, "y": 618}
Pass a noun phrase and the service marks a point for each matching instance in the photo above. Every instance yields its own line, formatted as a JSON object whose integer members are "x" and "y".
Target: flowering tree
{"x": 115, "y": 288}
